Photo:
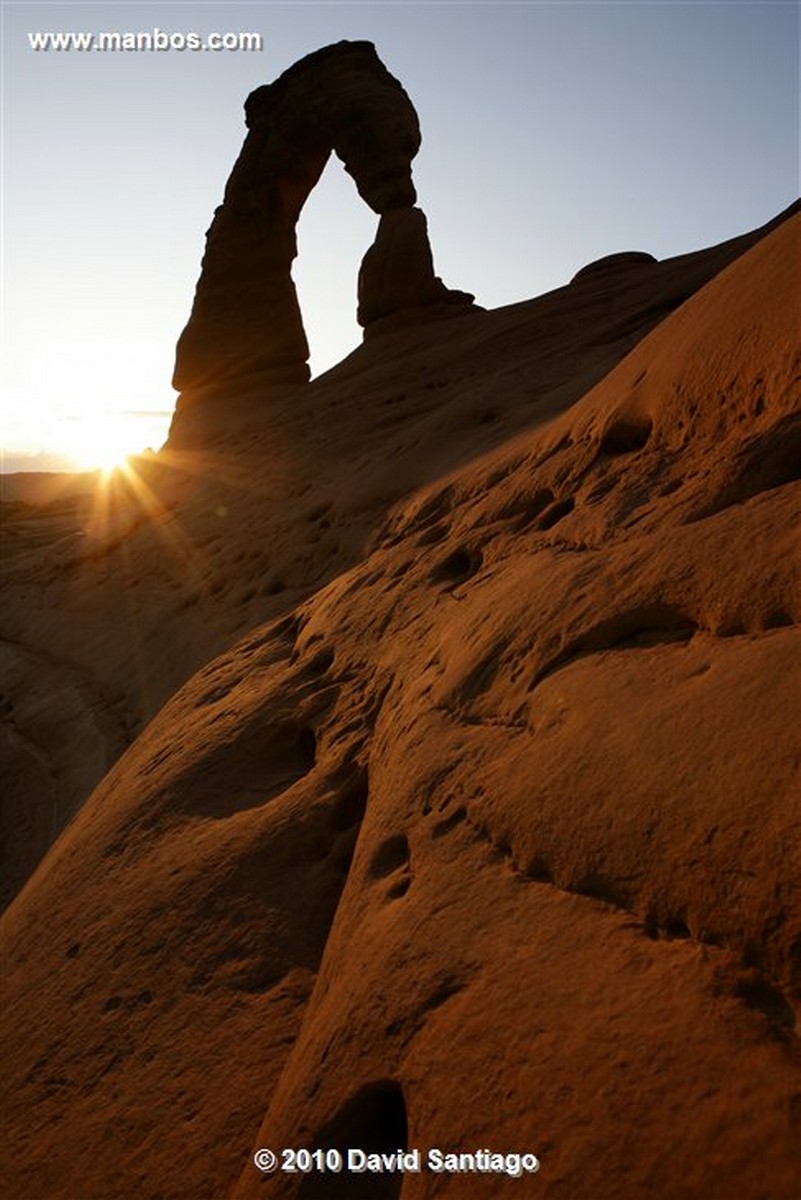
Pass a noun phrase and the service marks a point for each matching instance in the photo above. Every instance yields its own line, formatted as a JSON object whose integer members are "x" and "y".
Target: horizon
{"x": 576, "y": 108}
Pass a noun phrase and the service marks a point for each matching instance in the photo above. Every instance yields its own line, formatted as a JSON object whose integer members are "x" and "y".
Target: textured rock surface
{"x": 245, "y": 320}
{"x": 484, "y": 830}
{"x": 115, "y": 600}
{"x": 397, "y": 273}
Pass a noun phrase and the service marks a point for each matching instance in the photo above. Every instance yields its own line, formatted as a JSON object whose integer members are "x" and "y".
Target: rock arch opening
{"x": 325, "y": 270}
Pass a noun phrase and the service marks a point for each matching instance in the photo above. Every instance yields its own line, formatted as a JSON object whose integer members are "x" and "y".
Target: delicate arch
{"x": 245, "y": 319}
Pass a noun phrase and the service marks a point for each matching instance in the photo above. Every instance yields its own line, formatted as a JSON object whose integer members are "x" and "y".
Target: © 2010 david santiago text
{"x": 411, "y": 1162}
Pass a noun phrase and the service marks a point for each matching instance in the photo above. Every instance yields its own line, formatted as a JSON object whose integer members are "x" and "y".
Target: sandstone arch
{"x": 245, "y": 319}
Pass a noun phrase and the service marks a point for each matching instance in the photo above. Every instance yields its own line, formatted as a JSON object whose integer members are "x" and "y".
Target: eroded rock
{"x": 245, "y": 320}
{"x": 476, "y": 827}
{"x": 397, "y": 272}
{"x": 245, "y": 327}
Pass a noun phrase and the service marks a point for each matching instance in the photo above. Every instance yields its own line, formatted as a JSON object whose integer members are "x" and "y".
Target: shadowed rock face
{"x": 397, "y": 274}
{"x": 245, "y": 320}
{"x": 343, "y": 98}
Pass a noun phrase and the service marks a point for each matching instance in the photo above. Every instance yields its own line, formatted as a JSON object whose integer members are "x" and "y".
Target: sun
{"x": 110, "y": 458}
{"x": 102, "y": 445}
{"x": 105, "y": 457}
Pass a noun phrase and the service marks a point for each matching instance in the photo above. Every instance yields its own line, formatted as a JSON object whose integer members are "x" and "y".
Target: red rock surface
{"x": 482, "y": 830}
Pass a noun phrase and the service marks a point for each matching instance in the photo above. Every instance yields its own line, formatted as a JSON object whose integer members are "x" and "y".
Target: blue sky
{"x": 553, "y": 133}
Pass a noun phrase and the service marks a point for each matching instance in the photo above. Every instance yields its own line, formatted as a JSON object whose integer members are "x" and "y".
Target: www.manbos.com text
{"x": 160, "y": 40}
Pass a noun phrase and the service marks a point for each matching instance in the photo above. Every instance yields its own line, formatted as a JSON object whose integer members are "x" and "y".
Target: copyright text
{"x": 357, "y": 1161}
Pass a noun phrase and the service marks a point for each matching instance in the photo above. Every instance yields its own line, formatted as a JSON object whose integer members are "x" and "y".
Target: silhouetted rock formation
{"x": 245, "y": 320}
{"x": 613, "y": 264}
{"x": 397, "y": 272}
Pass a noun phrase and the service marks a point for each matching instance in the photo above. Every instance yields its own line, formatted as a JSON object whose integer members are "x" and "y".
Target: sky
{"x": 553, "y": 134}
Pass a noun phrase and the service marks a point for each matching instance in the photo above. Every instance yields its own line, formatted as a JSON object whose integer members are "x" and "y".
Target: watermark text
{"x": 151, "y": 40}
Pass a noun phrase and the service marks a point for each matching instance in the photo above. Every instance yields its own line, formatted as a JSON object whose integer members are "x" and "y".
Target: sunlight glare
{"x": 103, "y": 444}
